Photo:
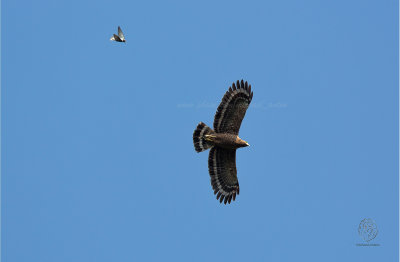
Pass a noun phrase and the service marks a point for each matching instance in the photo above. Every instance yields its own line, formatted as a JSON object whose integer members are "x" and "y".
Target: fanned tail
{"x": 199, "y": 140}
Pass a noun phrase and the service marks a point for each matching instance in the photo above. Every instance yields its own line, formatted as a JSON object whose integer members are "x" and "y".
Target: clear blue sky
{"x": 98, "y": 161}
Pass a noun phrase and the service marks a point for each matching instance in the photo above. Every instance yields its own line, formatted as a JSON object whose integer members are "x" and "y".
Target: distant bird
{"x": 118, "y": 38}
{"x": 224, "y": 140}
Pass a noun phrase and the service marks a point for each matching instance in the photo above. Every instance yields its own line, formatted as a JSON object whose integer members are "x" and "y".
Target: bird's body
{"x": 118, "y": 38}
{"x": 224, "y": 140}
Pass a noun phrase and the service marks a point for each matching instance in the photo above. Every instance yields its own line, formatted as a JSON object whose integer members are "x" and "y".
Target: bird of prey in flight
{"x": 118, "y": 38}
{"x": 224, "y": 140}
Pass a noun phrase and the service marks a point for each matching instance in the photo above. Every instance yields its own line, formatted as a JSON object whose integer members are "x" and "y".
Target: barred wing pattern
{"x": 232, "y": 109}
{"x": 223, "y": 173}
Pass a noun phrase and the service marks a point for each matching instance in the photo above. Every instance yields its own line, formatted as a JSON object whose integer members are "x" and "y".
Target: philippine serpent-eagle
{"x": 224, "y": 140}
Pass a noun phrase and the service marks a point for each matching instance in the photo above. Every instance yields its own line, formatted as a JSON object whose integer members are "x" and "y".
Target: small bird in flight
{"x": 118, "y": 38}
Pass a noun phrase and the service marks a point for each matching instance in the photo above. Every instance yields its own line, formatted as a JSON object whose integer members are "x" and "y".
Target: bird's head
{"x": 241, "y": 143}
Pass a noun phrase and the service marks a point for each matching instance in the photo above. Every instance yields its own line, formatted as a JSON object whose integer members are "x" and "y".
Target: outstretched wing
{"x": 120, "y": 34}
{"x": 223, "y": 173}
{"x": 232, "y": 109}
{"x": 115, "y": 38}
